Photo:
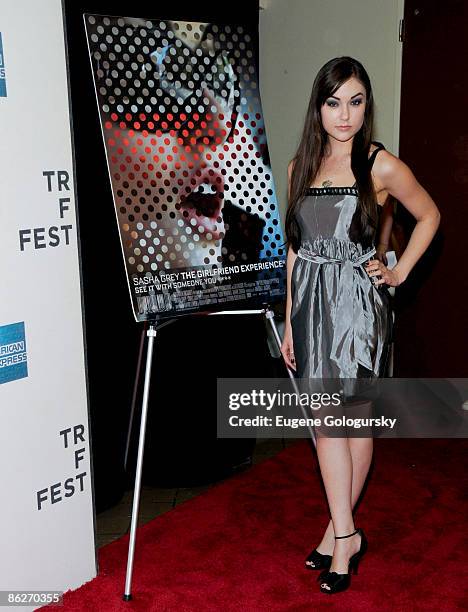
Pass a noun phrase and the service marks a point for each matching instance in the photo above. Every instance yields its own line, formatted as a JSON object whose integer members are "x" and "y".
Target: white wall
{"x": 46, "y": 513}
{"x": 297, "y": 37}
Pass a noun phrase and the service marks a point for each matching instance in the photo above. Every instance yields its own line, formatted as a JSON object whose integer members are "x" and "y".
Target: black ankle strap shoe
{"x": 340, "y": 582}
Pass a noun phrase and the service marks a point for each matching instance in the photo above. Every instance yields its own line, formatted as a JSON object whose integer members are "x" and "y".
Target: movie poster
{"x": 189, "y": 166}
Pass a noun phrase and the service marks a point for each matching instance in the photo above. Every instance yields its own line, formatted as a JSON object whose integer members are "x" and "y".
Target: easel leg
{"x": 134, "y": 395}
{"x": 139, "y": 467}
{"x": 270, "y": 315}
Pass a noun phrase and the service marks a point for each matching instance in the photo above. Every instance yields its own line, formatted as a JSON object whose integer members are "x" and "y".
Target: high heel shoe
{"x": 340, "y": 582}
{"x": 319, "y": 561}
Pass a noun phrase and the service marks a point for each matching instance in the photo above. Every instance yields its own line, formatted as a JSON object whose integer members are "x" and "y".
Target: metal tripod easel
{"x": 150, "y": 331}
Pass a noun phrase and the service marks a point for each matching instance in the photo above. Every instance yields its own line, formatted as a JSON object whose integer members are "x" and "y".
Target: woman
{"x": 338, "y": 313}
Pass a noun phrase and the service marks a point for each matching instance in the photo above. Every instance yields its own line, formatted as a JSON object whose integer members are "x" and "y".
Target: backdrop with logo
{"x": 188, "y": 161}
{"x": 46, "y": 514}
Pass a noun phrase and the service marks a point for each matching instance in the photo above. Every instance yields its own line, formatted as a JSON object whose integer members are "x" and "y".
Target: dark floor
{"x": 115, "y": 522}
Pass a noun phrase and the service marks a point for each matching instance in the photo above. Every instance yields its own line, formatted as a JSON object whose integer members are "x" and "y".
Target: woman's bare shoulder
{"x": 386, "y": 164}
{"x": 393, "y": 176}
{"x": 382, "y": 161}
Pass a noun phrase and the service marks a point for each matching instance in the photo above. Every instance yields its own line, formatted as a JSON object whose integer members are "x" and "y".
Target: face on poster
{"x": 189, "y": 166}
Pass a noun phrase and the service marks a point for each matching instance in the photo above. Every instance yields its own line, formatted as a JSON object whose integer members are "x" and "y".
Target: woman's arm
{"x": 291, "y": 258}
{"x": 287, "y": 349}
{"x": 289, "y": 266}
{"x": 395, "y": 176}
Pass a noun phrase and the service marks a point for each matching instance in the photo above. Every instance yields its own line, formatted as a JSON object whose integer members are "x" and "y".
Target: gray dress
{"x": 341, "y": 322}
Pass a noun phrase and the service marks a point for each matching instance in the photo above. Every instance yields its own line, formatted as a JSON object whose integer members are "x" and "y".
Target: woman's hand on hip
{"x": 381, "y": 275}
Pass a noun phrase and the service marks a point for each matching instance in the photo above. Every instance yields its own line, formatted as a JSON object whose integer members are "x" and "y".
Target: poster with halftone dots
{"x": 189, "y": 166}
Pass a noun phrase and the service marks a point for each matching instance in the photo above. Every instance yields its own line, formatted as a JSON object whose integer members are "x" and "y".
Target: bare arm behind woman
{"x": 385, "y": 230}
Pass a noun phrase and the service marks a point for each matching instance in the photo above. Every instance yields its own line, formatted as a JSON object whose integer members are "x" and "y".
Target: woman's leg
{"x": 361, "y": 457}
{"x": 336, "y": 466}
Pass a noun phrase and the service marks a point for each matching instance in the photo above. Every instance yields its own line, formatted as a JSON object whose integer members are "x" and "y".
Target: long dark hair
{"x": 309, "y": 155}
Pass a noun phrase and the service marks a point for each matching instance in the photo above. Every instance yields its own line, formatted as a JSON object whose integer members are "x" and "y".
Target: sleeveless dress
{"x": 341, "y": 322}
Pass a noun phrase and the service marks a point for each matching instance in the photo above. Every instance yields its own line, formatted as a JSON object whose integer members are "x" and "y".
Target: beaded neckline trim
{"x": 332, "y": 190}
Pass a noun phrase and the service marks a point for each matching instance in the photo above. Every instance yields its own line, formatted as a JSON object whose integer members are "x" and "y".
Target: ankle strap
{"x": 346, "y": 536}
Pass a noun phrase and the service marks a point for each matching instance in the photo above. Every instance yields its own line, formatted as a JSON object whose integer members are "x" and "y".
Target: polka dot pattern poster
{"x": 188, "y": 160}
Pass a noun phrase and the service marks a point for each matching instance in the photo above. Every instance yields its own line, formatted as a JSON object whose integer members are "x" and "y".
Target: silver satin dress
{"x": 341, "y": 322}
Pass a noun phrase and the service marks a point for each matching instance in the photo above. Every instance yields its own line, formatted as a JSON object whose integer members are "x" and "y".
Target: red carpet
{"x": 241, "y": 545}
